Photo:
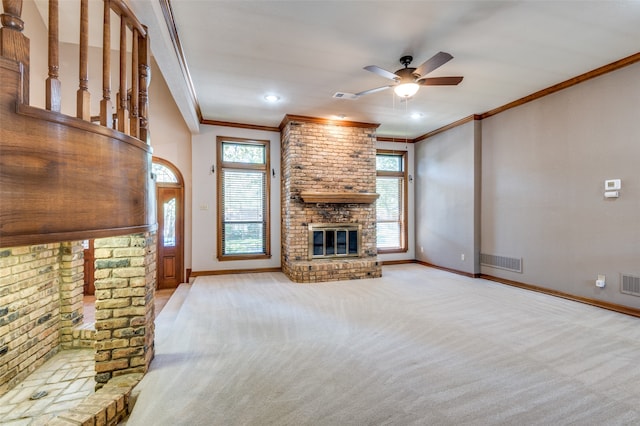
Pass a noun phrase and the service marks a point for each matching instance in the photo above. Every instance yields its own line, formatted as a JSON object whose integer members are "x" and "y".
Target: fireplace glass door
{"x": 331, "y": 240}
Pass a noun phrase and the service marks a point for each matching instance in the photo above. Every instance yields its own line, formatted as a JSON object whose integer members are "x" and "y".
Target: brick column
{"x": 71, "y": 290}
{"x": 125, "y": 284}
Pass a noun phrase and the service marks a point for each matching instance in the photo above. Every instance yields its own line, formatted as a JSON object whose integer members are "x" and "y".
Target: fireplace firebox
{"x": 334, "y": 240}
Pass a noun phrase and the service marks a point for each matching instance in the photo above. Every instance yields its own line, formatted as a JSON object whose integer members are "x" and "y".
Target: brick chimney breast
{"x": 338, "y": 159}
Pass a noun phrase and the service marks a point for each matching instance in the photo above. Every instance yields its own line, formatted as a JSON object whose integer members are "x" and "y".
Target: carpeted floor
{"x": 418, "y": 346}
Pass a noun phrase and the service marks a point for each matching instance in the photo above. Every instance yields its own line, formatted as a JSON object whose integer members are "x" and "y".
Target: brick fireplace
{"x": 328, "y": 184}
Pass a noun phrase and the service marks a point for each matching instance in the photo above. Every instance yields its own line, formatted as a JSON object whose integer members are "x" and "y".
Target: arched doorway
{"x": 170, "y": 211}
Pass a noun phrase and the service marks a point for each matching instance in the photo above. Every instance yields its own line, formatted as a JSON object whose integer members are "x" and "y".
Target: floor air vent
{"x": 630, "y": 284}
{"x": 501, "y": 262}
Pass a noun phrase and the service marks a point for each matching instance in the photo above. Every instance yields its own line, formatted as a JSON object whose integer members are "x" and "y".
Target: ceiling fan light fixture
{"x": 406, "y": 90}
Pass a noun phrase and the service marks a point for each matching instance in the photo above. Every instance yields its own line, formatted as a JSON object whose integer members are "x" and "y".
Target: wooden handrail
{"x": 121, "y": 8}
{"x": 131, "y": 106}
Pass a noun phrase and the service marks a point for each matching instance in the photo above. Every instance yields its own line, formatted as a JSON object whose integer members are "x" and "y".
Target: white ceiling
{"x": 305, "y": 51}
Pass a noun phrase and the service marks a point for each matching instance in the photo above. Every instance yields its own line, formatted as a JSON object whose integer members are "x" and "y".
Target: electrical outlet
{"x": 462, "y": 257}
{"x": 421, "y": 249}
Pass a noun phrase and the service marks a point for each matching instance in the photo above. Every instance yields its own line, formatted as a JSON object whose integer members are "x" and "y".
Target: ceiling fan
{"x": 408, "y": 80}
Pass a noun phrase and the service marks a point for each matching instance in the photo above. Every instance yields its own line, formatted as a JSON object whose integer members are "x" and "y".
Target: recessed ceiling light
{"x": 417, "y": 115}
{"x": 272, "y": 98}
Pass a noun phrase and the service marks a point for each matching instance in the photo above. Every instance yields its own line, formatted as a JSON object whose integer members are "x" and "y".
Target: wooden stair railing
{"x": 66, "y": 177}
{"x": 130, "y": 110}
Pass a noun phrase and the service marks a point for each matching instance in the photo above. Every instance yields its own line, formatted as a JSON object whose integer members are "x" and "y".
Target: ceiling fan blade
{"x": 370, "y": 91}
{"x": 434, "y": 62}
{"x": 382, "y": 72}
{"x": 440, "y": 81}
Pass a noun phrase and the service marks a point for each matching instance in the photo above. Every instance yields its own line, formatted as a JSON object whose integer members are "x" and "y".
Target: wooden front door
{"x": 170, "y": 239}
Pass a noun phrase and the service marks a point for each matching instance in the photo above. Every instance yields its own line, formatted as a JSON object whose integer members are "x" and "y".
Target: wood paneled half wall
{"x": 64, "y": 178}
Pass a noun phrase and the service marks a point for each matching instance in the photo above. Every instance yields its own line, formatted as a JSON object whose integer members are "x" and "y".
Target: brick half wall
{"x": 29, "y": 310}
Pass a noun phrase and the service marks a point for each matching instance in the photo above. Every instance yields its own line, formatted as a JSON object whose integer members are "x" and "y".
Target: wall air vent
{"x": 501, "y": 262}
{"x": 630, "y": 284}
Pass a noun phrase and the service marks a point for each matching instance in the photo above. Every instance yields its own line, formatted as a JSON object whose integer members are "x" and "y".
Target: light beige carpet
{"x": 417, "y": 347}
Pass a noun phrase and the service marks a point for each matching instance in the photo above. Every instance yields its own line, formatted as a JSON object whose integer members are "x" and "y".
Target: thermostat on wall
{"x": 612, "y": 184}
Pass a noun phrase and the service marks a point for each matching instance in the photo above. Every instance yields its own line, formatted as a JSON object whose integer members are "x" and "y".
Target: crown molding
{"x": 239, "y": 125}
{"x": 565, "y": 84}
{"x": 394, "y": 140}
{"x": 448, "y": 127}
{"x": 288, "y": 118}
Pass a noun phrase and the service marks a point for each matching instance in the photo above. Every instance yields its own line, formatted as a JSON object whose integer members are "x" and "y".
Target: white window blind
{"x": 243, "y": 205}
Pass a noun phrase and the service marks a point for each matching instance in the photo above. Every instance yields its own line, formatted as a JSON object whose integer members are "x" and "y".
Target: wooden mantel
{"x": 339, "y": 197}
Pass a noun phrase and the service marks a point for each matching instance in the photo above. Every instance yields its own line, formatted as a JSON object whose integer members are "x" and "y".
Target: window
{"x": 163, "y": 173}
{"x": 391, "y": 207}
{"x": 169, "y": 221}
{"x": 243, "y": 206}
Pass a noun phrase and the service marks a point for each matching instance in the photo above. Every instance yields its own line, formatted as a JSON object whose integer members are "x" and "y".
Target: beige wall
{"x": 543, "y": 170}
{"x": 171, "y": 140}
{"x": 447, "y": 198}
{"x": 541, "y": 177}
{"x": 205, "y": 199}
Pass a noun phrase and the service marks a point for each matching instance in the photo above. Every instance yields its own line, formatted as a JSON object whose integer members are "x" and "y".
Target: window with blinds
{"x": 243, "y": 208}
{"x": 391, "y": 205}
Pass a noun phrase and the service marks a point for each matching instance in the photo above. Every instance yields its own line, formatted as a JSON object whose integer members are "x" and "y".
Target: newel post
{"x": 13, "y": 44}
